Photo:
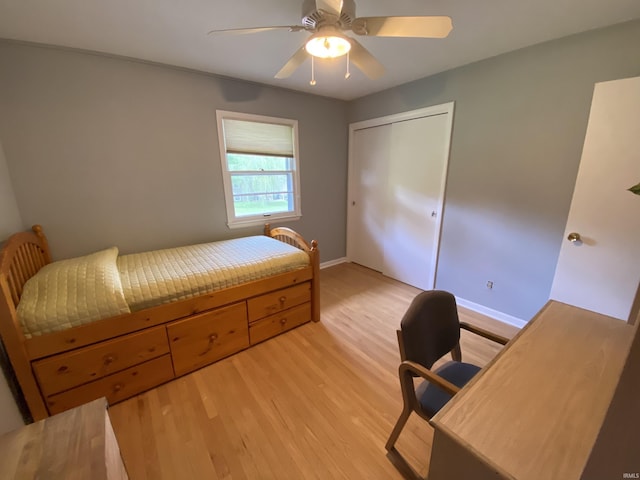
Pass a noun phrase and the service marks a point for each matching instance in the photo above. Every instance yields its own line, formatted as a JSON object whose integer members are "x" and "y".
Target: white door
{"x": 370, "y": 150}
{"x": 601, "y": 270}
{"x": 397, "y": 173}
{"x": 419, "y": 150}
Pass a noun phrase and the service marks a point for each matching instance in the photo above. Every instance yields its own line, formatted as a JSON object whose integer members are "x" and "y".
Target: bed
{"x": 151, "y": 317}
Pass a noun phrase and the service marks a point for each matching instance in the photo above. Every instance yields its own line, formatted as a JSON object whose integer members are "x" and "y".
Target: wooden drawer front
{"x": 275, "y": 302}
{"x": 116, "y": 387}
{"x": 75, "y": 368}
{"x": 281, "y": 322}
{"x": 200, "y": 340}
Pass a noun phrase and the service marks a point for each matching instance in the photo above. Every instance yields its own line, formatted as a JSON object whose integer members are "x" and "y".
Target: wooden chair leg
{"x": 395, "y": 433}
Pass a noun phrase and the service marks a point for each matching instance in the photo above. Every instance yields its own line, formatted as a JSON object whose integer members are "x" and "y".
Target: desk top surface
{"x": 70, "y": 445}
{"x": 535, "y": 411}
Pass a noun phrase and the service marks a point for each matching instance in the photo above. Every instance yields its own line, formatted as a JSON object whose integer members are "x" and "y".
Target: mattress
{"x": 162, "y": 276}
{"x": 81, "y": 290}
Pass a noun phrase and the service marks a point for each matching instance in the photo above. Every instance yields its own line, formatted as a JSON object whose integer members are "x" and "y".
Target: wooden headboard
{"x": 22, "y": 256}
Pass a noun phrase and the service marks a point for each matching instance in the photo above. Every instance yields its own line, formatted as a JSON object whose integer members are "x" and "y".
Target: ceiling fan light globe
{"x": 327, "y": 46}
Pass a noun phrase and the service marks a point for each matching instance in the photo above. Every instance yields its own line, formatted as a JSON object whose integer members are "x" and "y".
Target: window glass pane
{"x": 261, "y": 204}
{"x": 241, "y": 163}
{"x": 258, "y": 184}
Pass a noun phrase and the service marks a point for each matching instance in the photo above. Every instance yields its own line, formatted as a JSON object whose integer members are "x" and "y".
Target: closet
{"x": 397, "y": 177}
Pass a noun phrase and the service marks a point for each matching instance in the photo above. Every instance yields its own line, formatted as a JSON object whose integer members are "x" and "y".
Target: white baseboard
{"x": 331, "y": 263}
{"x": 489, "y": 312}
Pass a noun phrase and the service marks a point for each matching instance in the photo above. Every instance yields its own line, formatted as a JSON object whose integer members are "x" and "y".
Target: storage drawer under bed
{"x": 203, "y": 339}
{"x": 116, "y": 387}
{"x": 71, "y": 369}
{"x": 278, "y": 301}
{"x": 281, "y": 322}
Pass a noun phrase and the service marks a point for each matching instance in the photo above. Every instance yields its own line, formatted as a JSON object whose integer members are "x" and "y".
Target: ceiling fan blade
{"x": 291, "y": 28}
{"x": 366, "y": 62}
{"x": 334, "y": 7}
{"x": 418, "y": 27}
{"x": 293, "y": 63}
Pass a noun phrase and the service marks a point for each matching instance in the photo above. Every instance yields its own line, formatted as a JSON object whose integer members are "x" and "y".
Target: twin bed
{"x": 114, "y": 326}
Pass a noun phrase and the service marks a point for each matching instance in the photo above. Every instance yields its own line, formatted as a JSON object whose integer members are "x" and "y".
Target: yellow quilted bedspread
{"x": 163, "y": 276}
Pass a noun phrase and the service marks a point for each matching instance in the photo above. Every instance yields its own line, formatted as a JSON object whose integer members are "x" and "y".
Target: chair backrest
{"x": 430, "y": 328}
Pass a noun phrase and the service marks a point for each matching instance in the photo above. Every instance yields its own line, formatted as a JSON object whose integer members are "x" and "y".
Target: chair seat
{"x": 432, "y": 398}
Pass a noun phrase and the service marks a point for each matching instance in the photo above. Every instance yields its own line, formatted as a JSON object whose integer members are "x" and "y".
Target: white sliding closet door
{"x": 397, "y": 172}
{"x": 370, "y": 150}
{"x": 415, "y": 184}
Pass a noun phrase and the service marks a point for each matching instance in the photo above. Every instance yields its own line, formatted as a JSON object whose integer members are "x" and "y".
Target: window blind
{"x": 242, "y": 136}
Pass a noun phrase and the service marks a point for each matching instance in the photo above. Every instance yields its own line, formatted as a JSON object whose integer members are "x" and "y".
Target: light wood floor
{"x": 317, "y": 402}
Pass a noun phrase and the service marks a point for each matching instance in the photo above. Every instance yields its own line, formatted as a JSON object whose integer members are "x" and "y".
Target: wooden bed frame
{"x": 122, "y": 356}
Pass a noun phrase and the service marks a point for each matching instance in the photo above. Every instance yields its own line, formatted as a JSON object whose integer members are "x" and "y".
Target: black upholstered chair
{"x": 428, "y": 331}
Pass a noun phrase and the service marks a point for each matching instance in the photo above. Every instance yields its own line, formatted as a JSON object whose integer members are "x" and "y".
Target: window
{"x": 259, "y": 158}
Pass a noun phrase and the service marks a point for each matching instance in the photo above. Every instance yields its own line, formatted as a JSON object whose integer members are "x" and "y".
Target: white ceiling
{"x": 175, "y": 32}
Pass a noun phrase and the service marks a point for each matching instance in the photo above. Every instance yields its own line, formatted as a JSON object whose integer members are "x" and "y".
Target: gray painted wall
{"x": 519, "y": 126}
{"x": 10, "y": 222}
{"x": 106, "y": 151}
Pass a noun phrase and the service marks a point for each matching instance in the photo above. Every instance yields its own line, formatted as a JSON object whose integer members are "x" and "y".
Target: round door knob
{"x": 574, "y": 237}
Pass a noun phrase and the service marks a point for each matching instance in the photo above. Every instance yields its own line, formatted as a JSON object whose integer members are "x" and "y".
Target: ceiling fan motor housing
{"x": 312, "y": 18}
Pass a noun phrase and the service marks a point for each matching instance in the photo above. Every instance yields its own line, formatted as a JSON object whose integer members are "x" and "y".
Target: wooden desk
{"x": 535, "y": 412}
{"x": 77, "y": 444}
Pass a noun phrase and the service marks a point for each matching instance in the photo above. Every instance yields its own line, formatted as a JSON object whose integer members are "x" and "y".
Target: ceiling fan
{"x": 327, "y": 20}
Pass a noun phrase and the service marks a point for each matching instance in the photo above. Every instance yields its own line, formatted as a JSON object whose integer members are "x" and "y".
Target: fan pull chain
{"x": 348, "y": 74}
{"x": 313, "y": 71}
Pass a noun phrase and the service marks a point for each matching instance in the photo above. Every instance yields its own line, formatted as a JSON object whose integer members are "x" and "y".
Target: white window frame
{"x": 238, "y": 222}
